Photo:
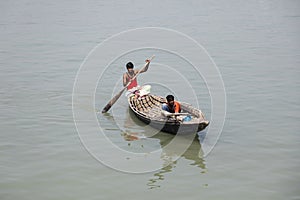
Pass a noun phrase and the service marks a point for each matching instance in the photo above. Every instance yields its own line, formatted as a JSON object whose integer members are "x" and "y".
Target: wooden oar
{"x": 117, "y": 96}
{"x": 168, "y": 114}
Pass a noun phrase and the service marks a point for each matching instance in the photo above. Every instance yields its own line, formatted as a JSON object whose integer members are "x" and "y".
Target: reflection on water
{"x": 133, "y": 130}
{"x": 159, "y": 176}
{"x": 193, "y": 153}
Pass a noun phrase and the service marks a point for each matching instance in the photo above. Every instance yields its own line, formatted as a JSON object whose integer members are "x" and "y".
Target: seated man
{"x": 171, "y": 105}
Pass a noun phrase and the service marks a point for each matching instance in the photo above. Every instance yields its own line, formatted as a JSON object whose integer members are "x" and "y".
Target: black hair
{"x": 129, "y": 65}
{"x": 170, "y": 98}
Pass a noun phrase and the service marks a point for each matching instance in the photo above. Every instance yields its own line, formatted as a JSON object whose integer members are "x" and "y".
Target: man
{"x": 129, "y": 75}
{"x": 171, "y": 105}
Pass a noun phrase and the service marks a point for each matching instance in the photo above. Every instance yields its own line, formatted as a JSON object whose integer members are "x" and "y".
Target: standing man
{"x": 129, "y": 75}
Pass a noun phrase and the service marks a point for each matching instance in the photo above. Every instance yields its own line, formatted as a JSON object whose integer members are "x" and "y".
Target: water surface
{"x": 256, "y": 47}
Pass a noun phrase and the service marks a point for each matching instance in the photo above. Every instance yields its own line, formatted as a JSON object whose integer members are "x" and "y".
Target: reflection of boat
{"x": 148, "y": 109}
{"x": 138, "y": 137}
{"x": 193, "y": 153}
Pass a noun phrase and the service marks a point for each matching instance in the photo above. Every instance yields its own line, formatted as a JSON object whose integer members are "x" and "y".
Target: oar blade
{"x": 112, "y": 101}
{"x": 106, "y": 108}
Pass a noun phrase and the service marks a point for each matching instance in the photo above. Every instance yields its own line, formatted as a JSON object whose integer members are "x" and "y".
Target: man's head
{"x": 129, "y": 65}
{"x": 170, "y": 99}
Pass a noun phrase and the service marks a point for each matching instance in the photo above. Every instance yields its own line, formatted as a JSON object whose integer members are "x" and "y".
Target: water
{"x": 256, "y": 47}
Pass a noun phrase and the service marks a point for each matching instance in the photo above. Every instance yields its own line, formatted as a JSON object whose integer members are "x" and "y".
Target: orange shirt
{"x": 177, "y": 107}
{"x": 174, "y": 109}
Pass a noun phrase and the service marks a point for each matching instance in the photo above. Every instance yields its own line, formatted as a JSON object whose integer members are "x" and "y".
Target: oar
{"x": 117, "y": 96}
{"x": 168, "y": 114}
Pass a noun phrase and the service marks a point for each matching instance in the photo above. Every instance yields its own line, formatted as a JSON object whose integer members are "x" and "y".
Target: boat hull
{"x": 169, "y": 125}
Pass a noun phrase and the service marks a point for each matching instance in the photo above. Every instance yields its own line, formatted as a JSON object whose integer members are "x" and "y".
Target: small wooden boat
{"x": 148, "y": 109}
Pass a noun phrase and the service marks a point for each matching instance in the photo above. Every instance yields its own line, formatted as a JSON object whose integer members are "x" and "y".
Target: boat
{"x": 147, "y": 108}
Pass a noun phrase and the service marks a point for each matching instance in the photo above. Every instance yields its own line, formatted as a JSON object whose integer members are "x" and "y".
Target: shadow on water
{"x": 135, "y": 130}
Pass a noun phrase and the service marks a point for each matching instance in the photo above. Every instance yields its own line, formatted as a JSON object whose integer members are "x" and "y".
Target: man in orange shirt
{"x": 171, "y": 105}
